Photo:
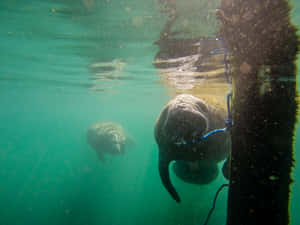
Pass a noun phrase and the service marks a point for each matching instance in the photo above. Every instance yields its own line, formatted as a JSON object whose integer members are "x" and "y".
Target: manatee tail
{"x": 165, "y": 177}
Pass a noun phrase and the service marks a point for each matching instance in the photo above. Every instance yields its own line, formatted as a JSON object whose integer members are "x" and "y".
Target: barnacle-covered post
{"x": 264, "y": 45}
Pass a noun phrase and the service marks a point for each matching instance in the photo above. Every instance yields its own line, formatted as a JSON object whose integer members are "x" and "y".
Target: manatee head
{"x": 178, "y": 131}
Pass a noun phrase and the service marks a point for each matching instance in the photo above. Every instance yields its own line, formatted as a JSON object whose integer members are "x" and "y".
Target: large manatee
{"x": 108, "y": 138}
{"x": 178, "y": 131}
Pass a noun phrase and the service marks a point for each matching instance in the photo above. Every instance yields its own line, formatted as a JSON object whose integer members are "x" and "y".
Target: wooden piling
{"x": 264, "y": 45}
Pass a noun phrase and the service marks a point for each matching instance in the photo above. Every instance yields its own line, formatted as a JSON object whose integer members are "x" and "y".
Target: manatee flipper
{"x": 226, "y": 168}
{"x": 165, "y": 177}
{"x": 101, "y": 156}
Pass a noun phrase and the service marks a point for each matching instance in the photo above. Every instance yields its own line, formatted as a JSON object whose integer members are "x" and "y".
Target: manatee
{"x": 108, "y": 138}
{"x": 178, "y": 131}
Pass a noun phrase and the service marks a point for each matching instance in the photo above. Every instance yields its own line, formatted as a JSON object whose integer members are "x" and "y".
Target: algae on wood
{"x": 264, "y": 45}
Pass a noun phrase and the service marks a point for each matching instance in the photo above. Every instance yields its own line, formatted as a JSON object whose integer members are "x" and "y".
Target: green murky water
{"x": 68, "y": 64}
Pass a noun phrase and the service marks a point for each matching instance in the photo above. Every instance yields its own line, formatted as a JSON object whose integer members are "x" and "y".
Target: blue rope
{"x": 228, "y": 122}
{"x": 214, "y": 132}
{"x": 228, "y": 125}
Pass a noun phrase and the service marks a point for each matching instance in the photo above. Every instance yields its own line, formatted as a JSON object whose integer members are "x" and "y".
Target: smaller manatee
{"x": 108, "y": 138}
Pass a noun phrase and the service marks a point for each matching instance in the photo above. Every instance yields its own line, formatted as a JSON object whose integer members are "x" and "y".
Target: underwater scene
{"x": 119, "y": 112}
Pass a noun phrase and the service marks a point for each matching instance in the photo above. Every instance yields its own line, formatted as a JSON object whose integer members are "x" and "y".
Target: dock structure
{"x": 264, "y": 45}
